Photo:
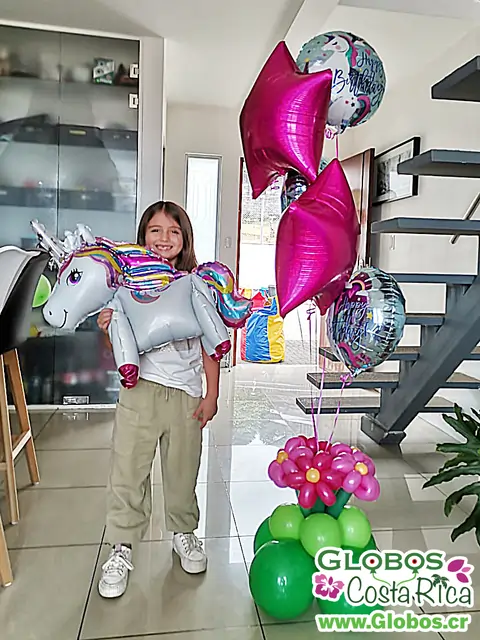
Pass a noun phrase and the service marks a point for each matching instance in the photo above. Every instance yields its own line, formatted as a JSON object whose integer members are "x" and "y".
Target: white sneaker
{"x": 190, "y": 551}
{"x": 114, "y": 580}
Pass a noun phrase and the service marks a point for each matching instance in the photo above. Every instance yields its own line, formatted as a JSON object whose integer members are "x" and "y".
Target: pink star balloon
{"x": 283, "y": 120}
{"x": 317, "y": 239}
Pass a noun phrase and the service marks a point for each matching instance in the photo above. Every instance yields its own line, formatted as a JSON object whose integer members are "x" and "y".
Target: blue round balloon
{"x": 365, "y": 324}
{"x": 358, "y": 76}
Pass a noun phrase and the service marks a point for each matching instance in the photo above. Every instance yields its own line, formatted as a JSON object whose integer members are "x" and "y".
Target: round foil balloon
{"x": 293, "y": 187}
{"x": 295, "y": 184}
{"x": 366, "y": 322}
{"x": 358, "y": 76}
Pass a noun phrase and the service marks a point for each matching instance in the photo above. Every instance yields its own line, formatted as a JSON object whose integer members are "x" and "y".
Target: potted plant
{"x": 466, "y": 462}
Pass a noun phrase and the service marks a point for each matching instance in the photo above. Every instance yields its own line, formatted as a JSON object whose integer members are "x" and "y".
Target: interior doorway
{"x": 258, "y": 224}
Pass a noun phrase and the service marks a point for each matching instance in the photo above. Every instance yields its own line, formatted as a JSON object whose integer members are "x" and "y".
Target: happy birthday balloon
{"x": 282, "y": 122}
{"x": 366, "y": 323}
{"x": 358, "y": 76}
{"x": 317, "y": 239}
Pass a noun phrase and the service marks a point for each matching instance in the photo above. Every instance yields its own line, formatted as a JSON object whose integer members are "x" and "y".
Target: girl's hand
{"x": 104, "y": 319}
{"x": 207, "y": 409}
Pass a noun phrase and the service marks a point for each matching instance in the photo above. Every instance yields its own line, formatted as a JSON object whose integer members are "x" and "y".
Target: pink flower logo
{"x": 327, "y": 587}
{"x": 461, "y": 568}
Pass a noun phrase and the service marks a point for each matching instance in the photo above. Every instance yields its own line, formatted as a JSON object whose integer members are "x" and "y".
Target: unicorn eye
{"x": 74, "y": 276}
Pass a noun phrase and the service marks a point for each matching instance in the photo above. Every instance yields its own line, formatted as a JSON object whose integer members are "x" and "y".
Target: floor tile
{"x": 241, "y": 633}
{"x": 38, "y": 420}
{"x": 57, "y": 517}
{"x": 251, "y": 432}
{"x": 68, "y": 469}
{"x": 216, "y": 516}
{"x": 29, "y": 611}
{"x": 308, "y": 631}
{"x": 473, "y": 632}
{"x": 161, "y": 598}
{"x": 404, "y": 504}
{"x": 469, "y": 502}
{"x": 252, "y": 502}
{"x": 72, "y": 430}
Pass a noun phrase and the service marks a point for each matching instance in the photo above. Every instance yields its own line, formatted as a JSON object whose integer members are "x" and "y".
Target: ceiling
{"x": 215, "y": 48}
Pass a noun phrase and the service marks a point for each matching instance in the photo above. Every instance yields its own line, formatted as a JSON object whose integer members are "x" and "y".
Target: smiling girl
{"x": 166, "y": 407}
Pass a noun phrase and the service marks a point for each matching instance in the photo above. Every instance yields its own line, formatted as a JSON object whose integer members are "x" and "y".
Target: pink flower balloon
{"x": 289, "y": 466}
{"x": 369, "y": 490}
{"x": 325, "y": 494}
{"x": 293, "y": 443}
{"x": 283, "y": 120}
{"x": 295, "y": 480}
{"x": 307, "y": 495}
{"x": 322, "y": 461}
{"x": 301, "y": 452}
{"x": 276, "y": 474}
{"x": 316, "y": 247}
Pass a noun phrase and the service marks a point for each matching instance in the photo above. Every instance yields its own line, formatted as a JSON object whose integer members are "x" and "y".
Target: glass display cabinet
{"x": 68, "y": 154}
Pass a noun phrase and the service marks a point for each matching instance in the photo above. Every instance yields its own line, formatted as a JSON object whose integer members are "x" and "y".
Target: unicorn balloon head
{"x": 76, "y": 302}
{"x": 84, "y": 290}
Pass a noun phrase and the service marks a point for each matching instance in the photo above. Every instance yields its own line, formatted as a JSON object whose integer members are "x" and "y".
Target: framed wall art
{"x": 389, "y": 184}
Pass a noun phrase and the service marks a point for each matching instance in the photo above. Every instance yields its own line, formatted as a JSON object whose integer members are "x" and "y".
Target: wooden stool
{"x": 6, "y": 577}
{"x": 13, "y": 445}
{"x": 20, "y": 271}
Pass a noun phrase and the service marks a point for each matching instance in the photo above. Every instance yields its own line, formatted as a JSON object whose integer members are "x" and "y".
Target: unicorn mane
{"x": 129, "y": 265}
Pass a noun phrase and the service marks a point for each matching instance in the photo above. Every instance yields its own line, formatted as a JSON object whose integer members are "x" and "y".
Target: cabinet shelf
{"x": 71, "y": 136}
{"x": 66, "y": 199}
{"x": 67, "y": 87}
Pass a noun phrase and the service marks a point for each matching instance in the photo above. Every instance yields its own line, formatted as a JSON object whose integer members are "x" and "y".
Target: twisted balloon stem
{"x": 342, "y": 498}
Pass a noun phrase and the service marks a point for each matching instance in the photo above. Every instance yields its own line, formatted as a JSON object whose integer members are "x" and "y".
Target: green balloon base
{"x": 280, "y": 579}
{"x": 262, "y": 536}
{"x": 341, "y": 606}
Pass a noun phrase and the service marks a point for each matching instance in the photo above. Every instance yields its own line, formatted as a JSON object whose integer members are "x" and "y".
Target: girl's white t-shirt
{"x": 177, "y": 364}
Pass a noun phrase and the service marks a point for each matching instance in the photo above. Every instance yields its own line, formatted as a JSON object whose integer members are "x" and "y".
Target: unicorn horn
{"x": 49, "y": 243}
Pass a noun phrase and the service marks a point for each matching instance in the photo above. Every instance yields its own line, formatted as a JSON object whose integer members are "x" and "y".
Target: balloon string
{"x": 337, "y": 147}
{"x": 346, "y": 380}
{"x": 310, "y": 312}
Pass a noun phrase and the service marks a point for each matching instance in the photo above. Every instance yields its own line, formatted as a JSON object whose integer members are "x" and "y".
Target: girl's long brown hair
{"x": 186, "y": 260}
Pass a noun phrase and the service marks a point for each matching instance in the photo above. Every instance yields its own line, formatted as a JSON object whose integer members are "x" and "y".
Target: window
{"x": 202, "y": 198}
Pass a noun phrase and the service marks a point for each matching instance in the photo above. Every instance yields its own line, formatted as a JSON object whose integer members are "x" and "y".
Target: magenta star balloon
{"x": 317, "y": 239}
{"x": 282, "y": 122}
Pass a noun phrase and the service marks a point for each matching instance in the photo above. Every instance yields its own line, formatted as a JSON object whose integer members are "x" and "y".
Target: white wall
{"x": 408, "y": 111}
{"x": 209, "y": 130}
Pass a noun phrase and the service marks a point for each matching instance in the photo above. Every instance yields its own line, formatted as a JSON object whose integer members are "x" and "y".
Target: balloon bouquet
{"x": 338, "y": 81}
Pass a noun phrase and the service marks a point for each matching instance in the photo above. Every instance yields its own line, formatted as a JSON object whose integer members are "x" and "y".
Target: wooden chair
{"x": 14, "y": 330}
{"x": 6, "y": 577}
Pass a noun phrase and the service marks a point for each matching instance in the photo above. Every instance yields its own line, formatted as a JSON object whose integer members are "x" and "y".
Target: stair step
{"x": 401, "y": 353}
{"x": 430, "y": 226}
{"x": 367, "y": 380}
{"x": 448, "y": 163}
{"x": 433, "y": 278}
{"x": 381, "y": 380}
{"x": 425, "y": 319}
{"x": 462, "y": 84}
{"x": 363, "y": 404}
{"x": 409, "y": 354}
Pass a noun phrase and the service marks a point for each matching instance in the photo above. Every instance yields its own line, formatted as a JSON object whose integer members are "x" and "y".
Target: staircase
{"x": 446, "y": 340}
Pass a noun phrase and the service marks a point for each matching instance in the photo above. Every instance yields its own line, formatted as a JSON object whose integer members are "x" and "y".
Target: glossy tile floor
{"x": 56, "y": 549}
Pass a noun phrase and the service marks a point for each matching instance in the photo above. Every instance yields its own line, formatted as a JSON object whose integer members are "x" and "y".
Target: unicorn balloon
{"x": 153, "y": 304}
